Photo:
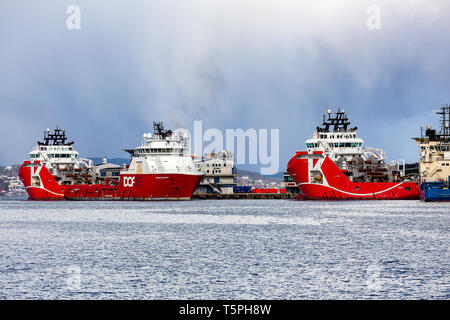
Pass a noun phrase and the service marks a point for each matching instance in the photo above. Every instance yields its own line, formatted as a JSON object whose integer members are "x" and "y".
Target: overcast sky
{"x": 232, "y": 64}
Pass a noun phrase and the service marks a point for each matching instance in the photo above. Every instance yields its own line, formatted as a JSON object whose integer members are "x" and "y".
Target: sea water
{"x": 224, "y": 249}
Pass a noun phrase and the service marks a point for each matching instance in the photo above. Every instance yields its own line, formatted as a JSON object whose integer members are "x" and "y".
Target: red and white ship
{"x": 159, "y": 169}
{"x": 336, "y": 166}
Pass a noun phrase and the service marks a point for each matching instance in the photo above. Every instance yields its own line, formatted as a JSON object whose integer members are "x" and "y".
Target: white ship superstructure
{"x": 434, "y": 150}
{"x": 342, "y": 145}
{"x": 164, "y": 152}
{"x": 61, "y": 159}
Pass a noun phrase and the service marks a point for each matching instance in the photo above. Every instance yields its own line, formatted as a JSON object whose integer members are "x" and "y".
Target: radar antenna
{"x": 339, "y": 122}
{"x": 445, "y": 121}
{"x": 57, "y": 138}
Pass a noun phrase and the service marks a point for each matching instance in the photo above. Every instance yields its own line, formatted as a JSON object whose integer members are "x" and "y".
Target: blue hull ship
{"x": 434, "y": 162}
{"x": 435, "y": 191}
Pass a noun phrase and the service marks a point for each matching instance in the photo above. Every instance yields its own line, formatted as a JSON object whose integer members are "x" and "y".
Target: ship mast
{"x": 339, "y": 122}
{"x": 445, "y": 122}
{"x": 57, "y": 138}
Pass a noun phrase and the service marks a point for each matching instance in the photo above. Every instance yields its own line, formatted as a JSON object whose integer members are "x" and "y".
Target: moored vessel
{"x": 434, "y": 161}
{"x": 159, "y": 169}
{"x": 336, "y": 166}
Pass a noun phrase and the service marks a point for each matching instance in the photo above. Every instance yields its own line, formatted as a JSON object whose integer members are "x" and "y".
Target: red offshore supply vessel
{"x": 336, "y": 166}
{"x": 159, "y": 169}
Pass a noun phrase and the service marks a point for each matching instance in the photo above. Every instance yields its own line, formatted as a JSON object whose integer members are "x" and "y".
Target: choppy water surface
{"x": 224, "y": 249}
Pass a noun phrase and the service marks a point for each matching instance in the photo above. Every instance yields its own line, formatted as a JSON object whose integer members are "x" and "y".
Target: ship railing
{"x": 374, "y": 152}
{"x": 86, "y": 162}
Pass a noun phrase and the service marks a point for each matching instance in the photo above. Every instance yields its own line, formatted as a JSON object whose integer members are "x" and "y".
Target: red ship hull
{"x": 41, "y": 185}
{"x": 336, "y": 185}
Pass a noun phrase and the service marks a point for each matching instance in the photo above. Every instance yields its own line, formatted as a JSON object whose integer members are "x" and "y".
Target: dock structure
{"x": 220, "y": 173}
{"x": 227, "y": 196}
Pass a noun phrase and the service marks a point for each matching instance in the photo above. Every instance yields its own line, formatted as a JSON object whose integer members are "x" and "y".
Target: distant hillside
{"x": 8, "y": 175}
{"x": 10, "y": 171}
{"x": 255, "y": 176}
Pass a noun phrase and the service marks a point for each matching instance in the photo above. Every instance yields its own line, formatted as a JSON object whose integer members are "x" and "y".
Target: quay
{"x": 219, "y": 196}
